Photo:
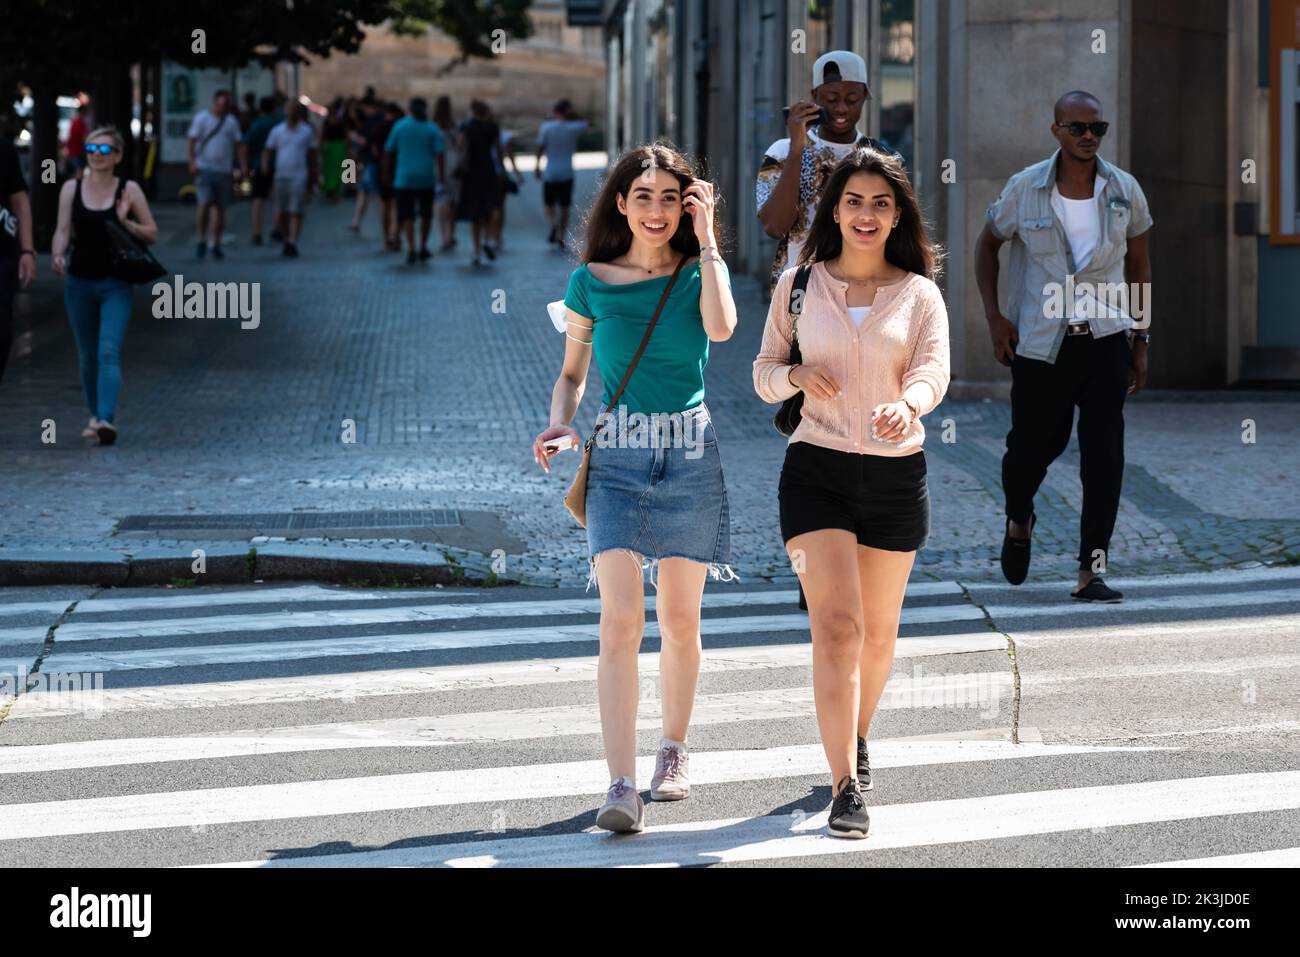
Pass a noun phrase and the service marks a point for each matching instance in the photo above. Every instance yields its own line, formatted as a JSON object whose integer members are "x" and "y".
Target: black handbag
{"x": 788, "y": 417}
{"x": 129, "y": 259}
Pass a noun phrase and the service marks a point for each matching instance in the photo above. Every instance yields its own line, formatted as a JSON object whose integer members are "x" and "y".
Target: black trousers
{"x": 1093, "y": 375}
{"x": 8, "y": 286}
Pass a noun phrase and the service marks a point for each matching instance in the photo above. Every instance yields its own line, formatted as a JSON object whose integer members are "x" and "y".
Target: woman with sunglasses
{"x": 99, "y": 304}
{"x": 655, "y": 496}
{"x": 873, "y": 336}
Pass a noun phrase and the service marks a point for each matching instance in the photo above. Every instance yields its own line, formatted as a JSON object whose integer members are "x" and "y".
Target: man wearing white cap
{"x": 822, "y": 132}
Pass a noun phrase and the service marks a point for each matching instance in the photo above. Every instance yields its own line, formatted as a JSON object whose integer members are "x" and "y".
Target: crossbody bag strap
{"x": 640, "y": 349}
{"x": 794, "y": 308}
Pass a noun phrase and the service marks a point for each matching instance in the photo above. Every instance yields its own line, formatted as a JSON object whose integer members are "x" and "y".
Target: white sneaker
{"x": 623, "y": 811}
{"x": 670, "y": 782}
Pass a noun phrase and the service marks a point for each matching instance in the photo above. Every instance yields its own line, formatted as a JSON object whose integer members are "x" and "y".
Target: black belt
{"x": 1078, "y": 329}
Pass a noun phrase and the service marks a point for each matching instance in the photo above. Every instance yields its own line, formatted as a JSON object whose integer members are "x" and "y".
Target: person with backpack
{"x": 859, "y": 333}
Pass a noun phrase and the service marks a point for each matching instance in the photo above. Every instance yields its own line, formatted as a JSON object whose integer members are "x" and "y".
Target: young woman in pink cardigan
{"x": 873, "y": 335}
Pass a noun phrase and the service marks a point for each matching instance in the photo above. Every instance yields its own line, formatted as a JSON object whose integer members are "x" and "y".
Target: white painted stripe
{"x": 361, "y": 795}
{"x": 1223, "y": 578}
{"x": 1001, "y": 613}
{"x": 206, "y": 597}
{"x": 496, "y": 674}
{"x": 55, "y": 608}
{"x": 1282, "y": 857}
{"x": 1258, "y": 624}
{"x": 258, "y": 595}
{"x": 893, "y": 826}
{"x": 233, "y": 653}
{"x": 980, "y": 693}
{"x": 77, "y": 630}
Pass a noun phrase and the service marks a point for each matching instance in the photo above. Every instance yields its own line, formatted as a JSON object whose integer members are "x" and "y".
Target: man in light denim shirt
{"x": 1075, "y": 331}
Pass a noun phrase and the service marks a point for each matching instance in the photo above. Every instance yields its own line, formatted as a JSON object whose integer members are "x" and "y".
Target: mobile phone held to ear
{"x": 823, "y": 118}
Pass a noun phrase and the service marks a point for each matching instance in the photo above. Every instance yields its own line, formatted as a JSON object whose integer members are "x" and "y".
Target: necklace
{"x": 648, "y": 271}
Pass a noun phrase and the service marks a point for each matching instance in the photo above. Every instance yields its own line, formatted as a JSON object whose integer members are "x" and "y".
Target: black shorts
{"x": 261, "y": 183}
{"x": 408, "y": 199}
{"x": 557, "y": 193}
{"x": 880, "y": 498}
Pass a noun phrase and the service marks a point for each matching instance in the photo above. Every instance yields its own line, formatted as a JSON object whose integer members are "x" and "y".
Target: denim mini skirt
{"x": 655, "y": 489}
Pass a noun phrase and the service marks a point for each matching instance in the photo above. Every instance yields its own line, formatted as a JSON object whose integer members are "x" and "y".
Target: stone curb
{"x": 228, "y": 563}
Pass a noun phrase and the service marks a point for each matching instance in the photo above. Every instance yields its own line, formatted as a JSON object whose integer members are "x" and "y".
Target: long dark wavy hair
{"x": 908, "y": 246}
{"x": 608, "y": 234}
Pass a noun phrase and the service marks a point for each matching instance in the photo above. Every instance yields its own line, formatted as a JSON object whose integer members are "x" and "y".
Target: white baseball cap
{"x": 851, "y": 67}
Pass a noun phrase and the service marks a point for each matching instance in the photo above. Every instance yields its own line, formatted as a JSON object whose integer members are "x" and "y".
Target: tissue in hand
{"x": 557, "y": 312}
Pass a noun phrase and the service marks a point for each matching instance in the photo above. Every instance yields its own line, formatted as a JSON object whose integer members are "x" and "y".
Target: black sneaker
{"x": 1015, "y": 553}
{"x": 290, "y": 250}
{"x": 107, "y": 434}
{"x": 1098, "y": 591}
{"x": 490, "y": 251}
{"x": 425, "y": 254}
{"x": 277, "y": 236}
{"x": 849, "y": 812}
{"x": 202, "y": 250}
{"x": 257, "y": 240}
{"x": 217, "y": 253}
{"x": 864, "y": 766}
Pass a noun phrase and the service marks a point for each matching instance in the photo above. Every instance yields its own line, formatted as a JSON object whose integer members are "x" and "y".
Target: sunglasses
{"x": 103, "y": 149}
{"x": 1077, "y": 129}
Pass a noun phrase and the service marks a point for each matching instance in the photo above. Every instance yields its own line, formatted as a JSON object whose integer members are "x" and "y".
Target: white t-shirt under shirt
{"x": 217, "y": 155}
{"x": 1082, "y": 223}
{"x": 859, "y": 314}
{"x": 291, "y": 145}
{"x": 560, "y": 138}
{"x": 819, "y": 159}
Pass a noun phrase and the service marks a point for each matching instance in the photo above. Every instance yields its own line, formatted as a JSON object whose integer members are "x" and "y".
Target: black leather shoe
{"x": 1015, "y": 553}
{"x": 1098, "y": 591}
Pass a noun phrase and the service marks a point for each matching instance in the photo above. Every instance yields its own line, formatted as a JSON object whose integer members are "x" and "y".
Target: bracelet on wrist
{"x": 27, "y": 252}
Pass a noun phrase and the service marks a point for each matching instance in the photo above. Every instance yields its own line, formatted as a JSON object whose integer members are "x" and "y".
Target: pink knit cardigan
{"x": 900, "y": 351}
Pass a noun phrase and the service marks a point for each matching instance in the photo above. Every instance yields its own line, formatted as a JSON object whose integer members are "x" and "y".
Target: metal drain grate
{"x": 291, "y": 521}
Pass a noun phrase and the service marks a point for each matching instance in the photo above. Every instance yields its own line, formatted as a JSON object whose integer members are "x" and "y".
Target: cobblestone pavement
{"x": 447, "y": 372}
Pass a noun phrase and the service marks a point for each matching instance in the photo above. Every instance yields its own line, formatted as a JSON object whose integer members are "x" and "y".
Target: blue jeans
{"x": 99, "y": 310}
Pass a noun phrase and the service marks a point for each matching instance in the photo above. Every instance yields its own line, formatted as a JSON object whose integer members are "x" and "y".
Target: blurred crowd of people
{"x": 411, "y": 163}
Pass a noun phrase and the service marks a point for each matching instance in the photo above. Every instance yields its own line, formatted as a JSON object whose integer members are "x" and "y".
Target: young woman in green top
{"x": 655, "y": 492}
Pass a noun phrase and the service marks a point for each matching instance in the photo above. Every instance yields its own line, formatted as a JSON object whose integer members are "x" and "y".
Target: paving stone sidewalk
{"x": 446, "y": 373}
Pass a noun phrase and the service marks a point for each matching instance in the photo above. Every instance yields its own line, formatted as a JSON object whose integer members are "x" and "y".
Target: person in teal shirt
{"x": 654, "y": 491}
{"x": 414, "y": 149}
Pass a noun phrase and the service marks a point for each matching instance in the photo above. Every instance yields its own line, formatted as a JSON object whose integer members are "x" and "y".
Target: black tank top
{"x": 90, "y": 249}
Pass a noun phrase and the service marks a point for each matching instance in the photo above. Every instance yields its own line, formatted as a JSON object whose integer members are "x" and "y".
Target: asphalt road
{"x": 293, "y": 725}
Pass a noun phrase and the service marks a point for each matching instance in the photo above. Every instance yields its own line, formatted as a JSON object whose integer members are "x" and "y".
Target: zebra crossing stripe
{"x": 1282, "y": 857}
{"x": 893, "y": 827}
{"x": 388, "y": 792}
{"x": 239, "y": 652}
{"x": 93, "y": 630}
{"x": 306, "y": 689}
{"x": 981, "y": 693}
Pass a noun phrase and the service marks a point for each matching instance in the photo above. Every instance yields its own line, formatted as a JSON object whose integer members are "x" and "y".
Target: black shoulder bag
{"x": 128, "y": 258}
{"x": 790, "y": 414}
